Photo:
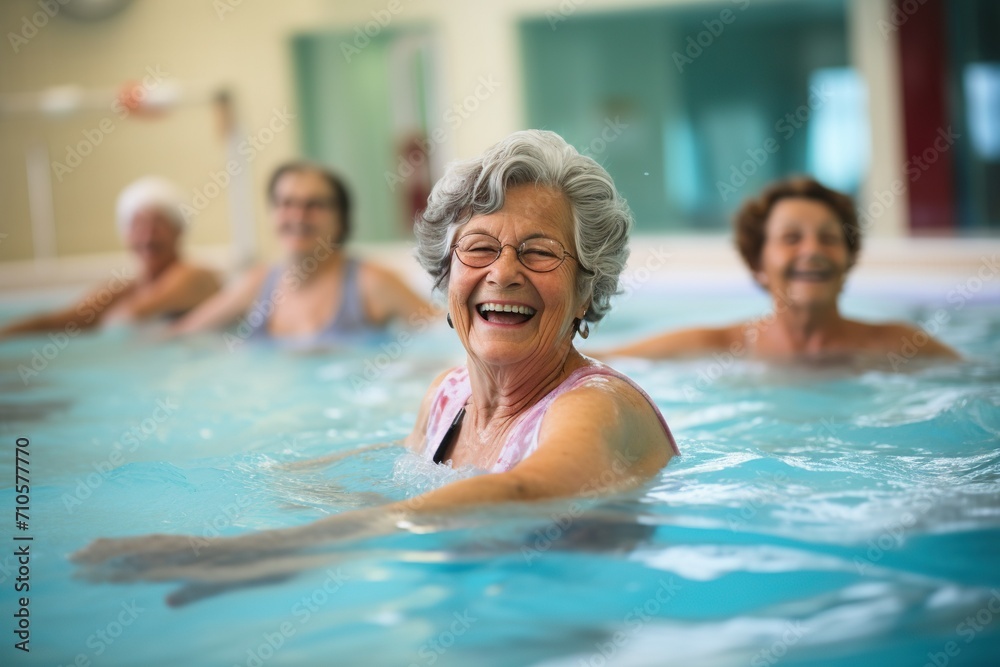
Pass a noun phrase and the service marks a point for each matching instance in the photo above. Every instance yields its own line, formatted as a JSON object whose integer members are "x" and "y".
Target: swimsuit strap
{"x": 265, "y": 295}
{"x": 523, "y": 440}
{"x": 350, "y": 317}
{"x": 449, "y": 401}
{"x": 449, "y": 436}
{"x": 454, "y": 392}
{"x": 349, "y": 320}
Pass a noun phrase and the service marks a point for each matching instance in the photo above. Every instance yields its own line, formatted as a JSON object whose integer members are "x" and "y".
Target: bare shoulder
{"x": 375, "y": 274}
{"x": 436, "y": 382}
{"x": 611, "y": 413}
{"x": 902, "y": 339}
{"x": 204, "y": 274}
{"x": 382, "y": 278}
{"x": 388, "y": 296}
{"x": 185, "y": 273}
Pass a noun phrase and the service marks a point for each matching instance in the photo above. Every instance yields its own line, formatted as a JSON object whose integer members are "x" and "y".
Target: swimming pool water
{"x": 824, "y": 516}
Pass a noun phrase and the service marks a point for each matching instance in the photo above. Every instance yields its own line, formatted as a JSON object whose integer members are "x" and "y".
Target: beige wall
{"x": 247, "y": 50}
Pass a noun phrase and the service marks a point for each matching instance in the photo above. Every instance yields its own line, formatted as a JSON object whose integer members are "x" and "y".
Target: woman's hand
{"x": 208, "y": 566}
{"x": 131, "y": 558}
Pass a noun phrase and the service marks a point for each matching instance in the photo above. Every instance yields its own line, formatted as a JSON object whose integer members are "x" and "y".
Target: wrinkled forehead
{"x": 528, "y": 211}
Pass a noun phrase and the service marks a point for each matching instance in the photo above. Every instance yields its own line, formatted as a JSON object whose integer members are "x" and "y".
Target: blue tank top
{"x": 349, "y": 322}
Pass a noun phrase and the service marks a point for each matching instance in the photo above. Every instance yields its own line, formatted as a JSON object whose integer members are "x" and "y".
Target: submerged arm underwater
{"x": 598, "y": 439}
{"x": 210, "y": 566}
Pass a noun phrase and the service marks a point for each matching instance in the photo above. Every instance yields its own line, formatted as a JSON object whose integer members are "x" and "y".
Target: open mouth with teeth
{"x": 295, "y": 230}
{"x": 812, "y": 275}
{"x": 505, "y": 313}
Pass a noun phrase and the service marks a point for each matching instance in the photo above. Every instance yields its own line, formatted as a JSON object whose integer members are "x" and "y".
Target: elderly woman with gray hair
{"x": 150, "y": 217}
{"x": 528, "y": 241}
{"x": 528, "y": 404}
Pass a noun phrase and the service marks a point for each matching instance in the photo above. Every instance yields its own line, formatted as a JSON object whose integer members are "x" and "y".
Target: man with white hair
{"x": 151, "y": 222}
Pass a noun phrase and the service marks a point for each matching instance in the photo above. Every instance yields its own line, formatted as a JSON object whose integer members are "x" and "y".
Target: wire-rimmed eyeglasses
{"x": 539, "y": 254}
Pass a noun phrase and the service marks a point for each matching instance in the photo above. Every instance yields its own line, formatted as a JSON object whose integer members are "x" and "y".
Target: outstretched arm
{"x": 225, "y": 306}
{"x": 84, "y": 314}
{"x": 686, "y": 342}
{"x": 595, "y": 439}
{"x": 60, "y": 319}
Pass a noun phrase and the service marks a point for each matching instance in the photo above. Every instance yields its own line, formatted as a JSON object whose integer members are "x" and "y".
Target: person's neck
{"x": 500, "y": 393}
{"x": 806, "y": 329}
{"x": 315, "y": 266}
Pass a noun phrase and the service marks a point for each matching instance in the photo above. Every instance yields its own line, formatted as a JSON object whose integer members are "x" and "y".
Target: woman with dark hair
{"x": 799, "y": 239}
{"x": 320, "y": 294}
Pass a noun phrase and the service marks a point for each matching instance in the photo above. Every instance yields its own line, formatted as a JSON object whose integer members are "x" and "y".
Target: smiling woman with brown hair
{"x": 799, "y": 239}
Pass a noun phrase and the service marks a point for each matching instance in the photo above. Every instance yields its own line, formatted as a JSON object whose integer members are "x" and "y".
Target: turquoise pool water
{"x": 831, "y": 516}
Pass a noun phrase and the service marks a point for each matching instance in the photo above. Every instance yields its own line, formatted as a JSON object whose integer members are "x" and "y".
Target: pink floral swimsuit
{"x": 455, "y": 390}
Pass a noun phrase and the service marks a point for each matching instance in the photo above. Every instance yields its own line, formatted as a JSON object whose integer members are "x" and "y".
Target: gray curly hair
{"x": 602, "y": 219}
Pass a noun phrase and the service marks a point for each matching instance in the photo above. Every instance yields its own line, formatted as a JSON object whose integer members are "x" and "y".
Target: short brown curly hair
{"x": 750, "y": 221}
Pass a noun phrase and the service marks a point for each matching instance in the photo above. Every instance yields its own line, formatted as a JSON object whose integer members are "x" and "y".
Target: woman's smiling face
{"x": 542, "y": 306}
{"x": 304, "y": 212}
{"x": 154, "y": 239}
{"x": 805, "y": 258}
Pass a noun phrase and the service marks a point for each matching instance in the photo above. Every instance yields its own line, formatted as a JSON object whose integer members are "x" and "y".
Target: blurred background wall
{"x": 691, "y": 105}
